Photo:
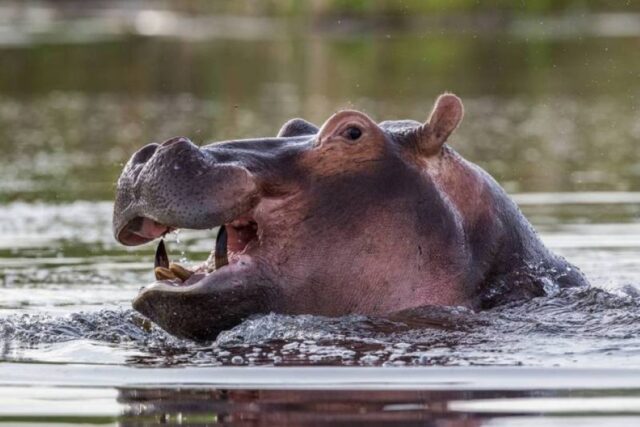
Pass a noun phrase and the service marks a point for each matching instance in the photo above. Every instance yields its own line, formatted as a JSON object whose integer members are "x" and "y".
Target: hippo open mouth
{"x": 181, "y": 296}
{"x": 233, "y": 240}
{"x": 354, "y": 217}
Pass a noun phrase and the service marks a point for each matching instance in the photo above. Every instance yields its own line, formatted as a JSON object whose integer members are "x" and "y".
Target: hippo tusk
{"x": 161, "y": 264}
{"x": 166, "y": 270}
{"x": 161, "y": 259}
{"x": 180, "y": 272}
{"x": 163, "y": 273}
{"x": 220, "y": 256}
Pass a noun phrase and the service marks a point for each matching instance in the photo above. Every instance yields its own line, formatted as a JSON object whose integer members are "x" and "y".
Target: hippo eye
{"x": 352, "y": 133}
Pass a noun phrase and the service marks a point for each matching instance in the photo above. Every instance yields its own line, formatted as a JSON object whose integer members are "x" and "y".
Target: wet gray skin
{"x": 355, "y": 217}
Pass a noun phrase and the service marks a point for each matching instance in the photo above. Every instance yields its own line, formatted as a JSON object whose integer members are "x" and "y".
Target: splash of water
{"x": 587, "y": 326}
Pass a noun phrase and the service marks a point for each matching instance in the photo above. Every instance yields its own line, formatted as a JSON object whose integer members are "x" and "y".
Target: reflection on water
{"x": 328, "y": 396}
{"x": 358, "y": 407}
{"x": 551, "y": 111}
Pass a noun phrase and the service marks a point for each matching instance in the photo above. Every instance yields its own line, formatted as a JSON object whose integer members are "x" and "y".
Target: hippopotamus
{"x": 354, "y": 217}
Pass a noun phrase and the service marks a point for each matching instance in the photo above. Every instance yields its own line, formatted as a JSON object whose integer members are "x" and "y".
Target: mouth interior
{"x": 240, "y": 234}
{"x": 234, "y": 239}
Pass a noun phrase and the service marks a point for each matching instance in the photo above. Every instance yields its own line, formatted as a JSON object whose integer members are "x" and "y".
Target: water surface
{"x": 554, "y": 118}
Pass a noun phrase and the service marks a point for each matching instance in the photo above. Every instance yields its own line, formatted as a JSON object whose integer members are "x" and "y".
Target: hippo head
{"x": 348, "y": 218}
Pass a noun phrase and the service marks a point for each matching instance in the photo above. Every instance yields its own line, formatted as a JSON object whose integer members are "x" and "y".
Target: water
{"x": 553, "y": 116}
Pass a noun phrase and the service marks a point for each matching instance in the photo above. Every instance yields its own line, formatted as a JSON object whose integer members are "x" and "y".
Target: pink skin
{"x": 373, "y": 262}
{"x": 388, "y": 287}
{"x": 366, "y": 273}
{"x": 151, "y": 229}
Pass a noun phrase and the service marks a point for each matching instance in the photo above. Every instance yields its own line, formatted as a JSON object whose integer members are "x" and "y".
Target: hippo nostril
{"x": 145, "y": 153}
{"x": 175, "y": 140}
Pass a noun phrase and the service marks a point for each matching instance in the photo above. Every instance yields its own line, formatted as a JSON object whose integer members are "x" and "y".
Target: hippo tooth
{"x": 221, "y": 248}
{"x": 163, "y": 273}
{"x": 161, "y": 259}
{"x": 180, "y": 272}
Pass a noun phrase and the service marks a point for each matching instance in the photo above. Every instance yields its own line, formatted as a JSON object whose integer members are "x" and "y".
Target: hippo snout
{"x": 173, "y": 185}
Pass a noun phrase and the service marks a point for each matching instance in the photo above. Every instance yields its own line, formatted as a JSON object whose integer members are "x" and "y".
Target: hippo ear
{"x": 444, "y": 119}
{"x": 297, "y": 127}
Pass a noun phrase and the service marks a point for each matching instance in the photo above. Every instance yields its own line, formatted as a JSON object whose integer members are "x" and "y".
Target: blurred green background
{"x": 551, "y": 88}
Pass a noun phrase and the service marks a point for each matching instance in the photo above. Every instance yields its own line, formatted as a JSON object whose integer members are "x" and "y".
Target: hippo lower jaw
{"x": 200, "y": 304}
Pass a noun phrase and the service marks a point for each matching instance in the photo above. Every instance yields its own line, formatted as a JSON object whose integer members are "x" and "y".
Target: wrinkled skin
{"x": 354, "y": 217}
